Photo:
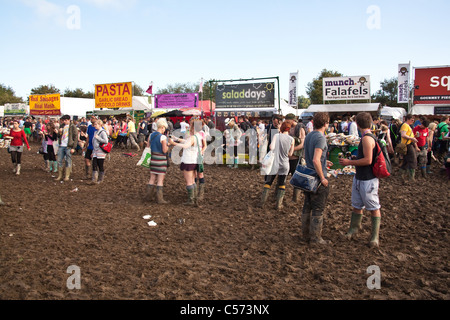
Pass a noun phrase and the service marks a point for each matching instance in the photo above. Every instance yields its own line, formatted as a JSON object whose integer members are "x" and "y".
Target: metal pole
{"x": 279, "y": 95}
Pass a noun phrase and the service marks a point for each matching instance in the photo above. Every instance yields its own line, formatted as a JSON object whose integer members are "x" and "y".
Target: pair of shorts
{"x": 88, "y": 154}
{"x": 27, "y": 130}
{"x": 188, "y": 167}
{"x": 365, "y": 194}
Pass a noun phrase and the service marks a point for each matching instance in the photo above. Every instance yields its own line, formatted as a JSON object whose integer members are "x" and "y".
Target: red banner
{"x": 432, "y": 85}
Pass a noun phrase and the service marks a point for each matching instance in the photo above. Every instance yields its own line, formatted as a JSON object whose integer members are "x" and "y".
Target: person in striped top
{"x": 159, "y": 162}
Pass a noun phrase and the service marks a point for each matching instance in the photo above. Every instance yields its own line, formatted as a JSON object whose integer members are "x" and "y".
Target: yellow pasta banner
{"x": 45, "y": 105}
{"x": 115, "y": 95}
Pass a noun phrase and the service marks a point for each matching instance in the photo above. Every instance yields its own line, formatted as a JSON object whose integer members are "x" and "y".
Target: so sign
{"x": 115, "y": 95}
{"x": 432, "y": 85}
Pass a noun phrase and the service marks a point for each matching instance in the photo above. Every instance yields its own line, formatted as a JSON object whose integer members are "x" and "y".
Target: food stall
{"x": 342, "y": 146}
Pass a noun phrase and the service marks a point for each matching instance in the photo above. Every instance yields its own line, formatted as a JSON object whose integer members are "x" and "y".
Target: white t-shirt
{"x": 184, "y": 127}
{"x": 353, "y": 131}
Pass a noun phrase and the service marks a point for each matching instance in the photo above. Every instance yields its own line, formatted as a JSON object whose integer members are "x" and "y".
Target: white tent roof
{"x": 141, "y": 104}
{"x": 342, "y": 108}
{"x": 396, "y": 113}
{"x": 76, "y": 106}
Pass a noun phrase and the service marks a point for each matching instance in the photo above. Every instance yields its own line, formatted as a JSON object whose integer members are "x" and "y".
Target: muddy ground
{"x": 228, "y": 249}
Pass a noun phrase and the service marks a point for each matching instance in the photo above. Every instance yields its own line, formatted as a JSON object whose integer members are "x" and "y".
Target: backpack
{"x": 382, "y": 164}
{"x": 106, "y": 147}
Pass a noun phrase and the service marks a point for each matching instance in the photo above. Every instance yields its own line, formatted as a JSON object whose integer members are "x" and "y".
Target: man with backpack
{"x": 441, "y": 131}
{"x": 365, "y": 183}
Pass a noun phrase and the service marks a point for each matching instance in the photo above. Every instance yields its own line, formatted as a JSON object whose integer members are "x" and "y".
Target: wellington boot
{"x": 87, "y": 171}
{"x": 280, "y": 196}
{"x": 47, "y": 166}
{"x": 18, "y": 170}
{"x": 315, "y": 230}
{"x": 306, "y": 221}
{"x": 201, "y": 192}
{"x": 160, "y": 196}
{"x": 50, "y": 166}
{"x": 68, "y": 172}
{"x": 55, "y": 166}
{"x": 191, "y": 197}
{"x": 60, "y": 174}
{"x": 94, "y": 178}
{"x": 375, "y": 242}
{"x": 264, "y": 197}
{"x": 101, "y": 177}
{"x": 14, "y": 167}
{"x": 150, "y": 192}
{"x": 1, "y": 202}
{"x": 412, "y": 175}
{"x": 423, "y": 172}
{"x": 296, "y": 195}
{"x": 355, "y": 225}
{"x": 429, "y": 170}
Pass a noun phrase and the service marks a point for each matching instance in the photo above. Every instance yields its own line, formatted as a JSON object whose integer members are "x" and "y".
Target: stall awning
{"x": 430, "y": 110}
{"x": 345, "y": 108}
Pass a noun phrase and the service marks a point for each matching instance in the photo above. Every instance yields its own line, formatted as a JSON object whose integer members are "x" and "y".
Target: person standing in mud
{"x": 158, "y": 164}
{"x": 189, "y": 160}
{"x": 298, "y": 132}
{"x": 316, "y": 150}
{"x": 410, "y": 160}
{"x": 283, "y": 147}
{"x": 365, "y": 184}
{"x": 18, "y": 138}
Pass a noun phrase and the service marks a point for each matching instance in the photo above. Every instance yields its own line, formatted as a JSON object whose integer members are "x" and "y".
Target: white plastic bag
{"x": 145, "y": 159}
{"x": 267, "y": 163}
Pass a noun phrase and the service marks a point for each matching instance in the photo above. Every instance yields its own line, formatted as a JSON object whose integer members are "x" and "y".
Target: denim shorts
{"x": 365, "y": 194}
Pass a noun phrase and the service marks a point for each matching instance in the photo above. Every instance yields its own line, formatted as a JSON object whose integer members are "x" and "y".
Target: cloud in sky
{"x": 116, "y": 4}
{"x": 47, "y": 10}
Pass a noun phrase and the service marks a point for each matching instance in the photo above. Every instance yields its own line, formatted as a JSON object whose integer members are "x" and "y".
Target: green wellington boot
{"x": 280, "y": 196}
{"x": 355, "y": 225}
{"x": 264, "y": 197}
{"x": 375, "y": 241}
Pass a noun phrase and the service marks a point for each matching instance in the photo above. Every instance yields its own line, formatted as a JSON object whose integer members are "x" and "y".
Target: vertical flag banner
{"x": 115, "y": 95}
{"x": 45, "y": 105}
{"x": 403, "y": 83}
{"x": 150, "y": 89}
{"x": 293, "y": 91}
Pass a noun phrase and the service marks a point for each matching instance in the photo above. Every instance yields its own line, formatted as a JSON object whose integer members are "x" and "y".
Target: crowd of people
{"x": 413, "y": 143}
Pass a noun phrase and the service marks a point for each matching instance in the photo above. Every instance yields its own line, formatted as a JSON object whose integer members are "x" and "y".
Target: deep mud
{"x": 226, "y": 249}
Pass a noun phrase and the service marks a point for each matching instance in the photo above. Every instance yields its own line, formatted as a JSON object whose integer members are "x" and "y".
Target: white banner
{"x": 293, "y": 92}
{"x": 346, "y": 88}
{"x": 403, "y": 83}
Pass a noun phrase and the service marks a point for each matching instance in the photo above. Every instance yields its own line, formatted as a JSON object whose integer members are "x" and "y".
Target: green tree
{"x": 78, "y": 93}
{"x": 179, "y": 88}
{"x": 45, "y": 89}
{"x": 7, "y": 95}
{"x": 138, "y": 91}
{"x": 314, "y": 89}
{"x": 388, "y": 94}
{"x": 303, "y": 102}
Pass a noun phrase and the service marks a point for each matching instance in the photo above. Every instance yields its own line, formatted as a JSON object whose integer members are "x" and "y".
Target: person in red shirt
{"x": 421, "y": 134}
{"x": 18, "y": 138}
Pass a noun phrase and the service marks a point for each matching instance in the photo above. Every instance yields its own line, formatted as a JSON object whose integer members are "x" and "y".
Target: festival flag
{"x": 150, "y": 89}
{"x": 201, "y": 86}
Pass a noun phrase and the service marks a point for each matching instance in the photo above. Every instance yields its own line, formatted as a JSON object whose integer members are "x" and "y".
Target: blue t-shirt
{"x": 91, "y": 132}
{"x": 316, "y": 140}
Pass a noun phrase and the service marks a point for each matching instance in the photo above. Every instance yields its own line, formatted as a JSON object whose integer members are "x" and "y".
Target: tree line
{"x": 386, "y": 95}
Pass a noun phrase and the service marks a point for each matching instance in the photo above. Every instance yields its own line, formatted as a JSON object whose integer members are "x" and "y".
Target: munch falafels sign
{"x": 114, "y": 95}
{"x": 346, "y": 88}
{"x": 255, "y": 95}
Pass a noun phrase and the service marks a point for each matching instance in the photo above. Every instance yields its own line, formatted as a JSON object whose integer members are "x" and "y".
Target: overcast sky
{"x": 80, "y": 43}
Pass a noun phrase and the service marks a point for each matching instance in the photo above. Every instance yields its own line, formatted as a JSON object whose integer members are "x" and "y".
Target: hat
{"x": 227, "y": 121}
{"x": 290, "y": 116}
